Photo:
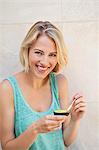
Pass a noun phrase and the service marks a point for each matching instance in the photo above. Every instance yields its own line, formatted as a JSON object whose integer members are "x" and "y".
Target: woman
{"x": 29, "y": 98}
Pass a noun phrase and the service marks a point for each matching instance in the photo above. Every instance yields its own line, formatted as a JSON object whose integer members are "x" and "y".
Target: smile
{"x": 41, "y": 68}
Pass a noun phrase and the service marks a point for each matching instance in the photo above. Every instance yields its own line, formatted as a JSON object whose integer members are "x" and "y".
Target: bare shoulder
{"x": 62, "y": 86}
{"x": 5, "y": 87}
{"x": 61, "y": 80}
{"x": 6, "y": 92}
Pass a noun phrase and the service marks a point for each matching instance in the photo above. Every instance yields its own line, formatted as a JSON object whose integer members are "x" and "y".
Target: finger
{"x": 58, "y": 125}
{"x": 57, "y": 128}
{"x": 79, "y": 100}
{"x": 79, "y": 105}
{"x": 52, "y": 123}
{"x": 56, "y": 117}
{"x": 76, "y": 96}
{"x": 54, "y": 127}
{"x": 81, "y": 109}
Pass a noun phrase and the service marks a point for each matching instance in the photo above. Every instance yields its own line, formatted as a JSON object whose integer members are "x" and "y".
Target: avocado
{"x": 61, "y": 112}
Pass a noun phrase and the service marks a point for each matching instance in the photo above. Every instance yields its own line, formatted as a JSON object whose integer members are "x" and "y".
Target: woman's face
{"x": 42, "y": 56}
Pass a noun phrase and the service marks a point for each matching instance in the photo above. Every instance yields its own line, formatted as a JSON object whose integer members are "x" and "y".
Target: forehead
{"x": 45, "y": 43}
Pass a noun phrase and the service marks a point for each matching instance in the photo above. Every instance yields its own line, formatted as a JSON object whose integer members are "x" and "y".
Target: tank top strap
{"x": 54, "y": 87}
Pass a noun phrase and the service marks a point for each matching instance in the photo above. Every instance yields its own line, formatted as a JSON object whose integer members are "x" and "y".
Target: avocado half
{"x": 61, "y": 112}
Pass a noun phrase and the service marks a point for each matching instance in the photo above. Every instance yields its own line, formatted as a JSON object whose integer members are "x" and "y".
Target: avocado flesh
{"x": 61, "y": 112}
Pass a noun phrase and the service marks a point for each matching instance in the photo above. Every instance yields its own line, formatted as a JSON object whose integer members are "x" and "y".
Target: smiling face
{"x": 42, "y": 56}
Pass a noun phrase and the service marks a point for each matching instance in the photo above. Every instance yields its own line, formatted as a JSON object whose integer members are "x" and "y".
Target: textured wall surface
{"x": 79, "y": 22}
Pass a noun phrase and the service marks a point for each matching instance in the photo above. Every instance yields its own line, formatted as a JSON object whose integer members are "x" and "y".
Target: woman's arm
{"x": 71, "y": 125}
{"x": 8, "y": 140}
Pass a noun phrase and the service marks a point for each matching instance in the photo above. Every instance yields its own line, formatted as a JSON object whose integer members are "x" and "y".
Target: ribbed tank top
{"x": 25, "y": 116}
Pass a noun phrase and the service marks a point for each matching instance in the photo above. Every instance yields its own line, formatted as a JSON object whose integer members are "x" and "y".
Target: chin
{"x": 42, "y": 74}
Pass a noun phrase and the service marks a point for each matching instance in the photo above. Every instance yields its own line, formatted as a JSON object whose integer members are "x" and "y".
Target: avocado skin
{"x": 63, "y": 113}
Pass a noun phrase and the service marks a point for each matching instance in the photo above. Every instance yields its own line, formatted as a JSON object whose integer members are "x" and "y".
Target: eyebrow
{"x": 43, "y": 51}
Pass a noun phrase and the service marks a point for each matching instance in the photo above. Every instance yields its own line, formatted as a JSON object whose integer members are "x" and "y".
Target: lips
{"x": 41, "y": 68}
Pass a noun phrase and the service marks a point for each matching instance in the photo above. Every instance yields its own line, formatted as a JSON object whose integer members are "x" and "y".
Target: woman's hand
{"x": 78, "y": 108}
{"x": 49, "y": 123}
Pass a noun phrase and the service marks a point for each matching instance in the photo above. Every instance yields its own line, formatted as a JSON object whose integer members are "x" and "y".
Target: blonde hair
{"x": 51, "y": 31}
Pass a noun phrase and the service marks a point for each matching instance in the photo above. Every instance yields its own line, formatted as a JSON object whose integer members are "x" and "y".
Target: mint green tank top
{"x": 25, "y": 116}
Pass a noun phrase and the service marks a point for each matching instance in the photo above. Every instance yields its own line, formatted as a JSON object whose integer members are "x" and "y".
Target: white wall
{"x": 79, "y": 22}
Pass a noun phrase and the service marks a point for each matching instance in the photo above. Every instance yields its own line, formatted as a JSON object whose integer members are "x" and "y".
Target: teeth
{"x": 41, "y": 68}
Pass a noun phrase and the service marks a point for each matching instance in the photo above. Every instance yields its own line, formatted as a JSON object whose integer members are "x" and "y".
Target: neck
{"x": 36, "y": 83}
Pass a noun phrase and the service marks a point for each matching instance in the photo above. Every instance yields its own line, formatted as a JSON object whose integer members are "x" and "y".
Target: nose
{"x": 44, "y": 61}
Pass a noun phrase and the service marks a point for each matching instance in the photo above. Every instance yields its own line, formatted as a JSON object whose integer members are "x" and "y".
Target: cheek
{"x": 32, "y": 58}
{"x": 54, "y": 63}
